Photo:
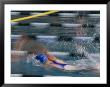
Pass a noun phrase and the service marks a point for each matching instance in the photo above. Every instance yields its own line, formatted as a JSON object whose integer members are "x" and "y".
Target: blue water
{"x": 22, "y": 67}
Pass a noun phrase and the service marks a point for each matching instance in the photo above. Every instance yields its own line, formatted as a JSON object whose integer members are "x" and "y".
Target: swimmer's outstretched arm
{"x": 53, "y": 58}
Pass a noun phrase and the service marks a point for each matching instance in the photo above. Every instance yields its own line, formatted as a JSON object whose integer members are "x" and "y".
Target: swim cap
{"x": 41, "y": 57}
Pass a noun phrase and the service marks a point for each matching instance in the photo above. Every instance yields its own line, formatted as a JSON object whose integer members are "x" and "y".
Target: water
{"x": 29, "y": 68}
{"x": 92, "y": 49}
{"x": 89, "y": 61}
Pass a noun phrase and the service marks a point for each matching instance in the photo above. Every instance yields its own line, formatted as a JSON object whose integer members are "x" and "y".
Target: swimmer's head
{"x": 41, "y": 57}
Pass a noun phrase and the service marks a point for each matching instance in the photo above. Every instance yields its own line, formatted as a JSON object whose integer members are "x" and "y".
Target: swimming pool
{"x": 22, "y": 67}
{"x": 30, "y": 69}
{"x": 60, "y": 27}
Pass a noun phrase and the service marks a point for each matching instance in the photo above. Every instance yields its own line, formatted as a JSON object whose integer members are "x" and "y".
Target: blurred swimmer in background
{"x": 39, "y": 53}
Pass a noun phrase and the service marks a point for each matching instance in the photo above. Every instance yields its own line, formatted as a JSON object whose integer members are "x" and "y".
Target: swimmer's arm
{"x": 60, "y": 61}
{"x": 53, "y": 58}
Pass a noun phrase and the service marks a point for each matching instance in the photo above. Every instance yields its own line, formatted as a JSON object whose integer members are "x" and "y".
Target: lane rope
{"x": 26, "y": 52}
{"x": 34, "y": 16}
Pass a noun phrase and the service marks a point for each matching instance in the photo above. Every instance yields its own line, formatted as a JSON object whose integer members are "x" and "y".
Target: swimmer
{"x": 26, "y": 43}
{"x": 40, "y": 53}
{"x": 51, "y": 61}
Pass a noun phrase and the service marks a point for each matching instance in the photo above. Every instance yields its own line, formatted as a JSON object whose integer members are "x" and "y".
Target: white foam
{"x": 95, "y": 54}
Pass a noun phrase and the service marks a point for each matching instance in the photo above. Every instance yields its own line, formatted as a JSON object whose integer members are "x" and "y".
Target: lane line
{"x": 33, "y": 16}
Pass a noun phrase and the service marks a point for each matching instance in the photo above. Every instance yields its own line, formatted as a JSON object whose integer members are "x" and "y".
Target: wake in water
{"x": 90, "y": 63}
{"x": 32, "y": 48}
{"x": 82, "y": 64}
